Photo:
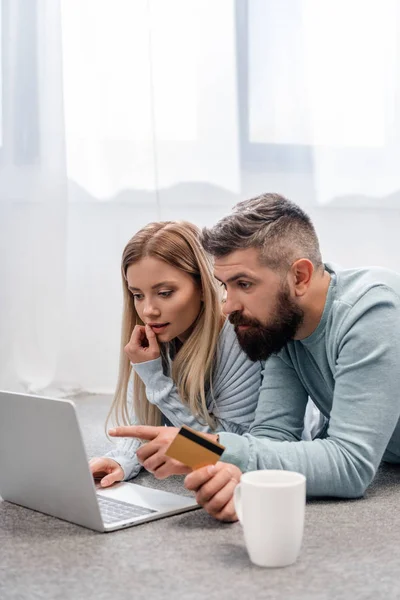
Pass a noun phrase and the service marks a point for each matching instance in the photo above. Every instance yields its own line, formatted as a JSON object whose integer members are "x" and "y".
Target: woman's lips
{"x": 159, "y": 328}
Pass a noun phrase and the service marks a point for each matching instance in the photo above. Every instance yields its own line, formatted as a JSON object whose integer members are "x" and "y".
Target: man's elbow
{"x": 354, "y": 492}
{"x": 358, "y": 484}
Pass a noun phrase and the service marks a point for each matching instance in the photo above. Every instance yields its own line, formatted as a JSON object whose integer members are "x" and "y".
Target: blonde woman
{"x": 180, "y": 361}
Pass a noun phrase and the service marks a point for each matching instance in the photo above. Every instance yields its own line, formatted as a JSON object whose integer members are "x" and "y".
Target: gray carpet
{"x": 350, "y": 549}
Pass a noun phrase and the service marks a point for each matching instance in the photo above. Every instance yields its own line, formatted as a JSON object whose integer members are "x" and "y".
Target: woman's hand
{"x": 143, "y": 345}
{"x": 152, "y": 455}
{"x": 106, "y": 468}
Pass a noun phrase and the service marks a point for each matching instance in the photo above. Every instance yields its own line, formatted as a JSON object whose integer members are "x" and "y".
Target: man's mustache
{"x": 236, "y": 318}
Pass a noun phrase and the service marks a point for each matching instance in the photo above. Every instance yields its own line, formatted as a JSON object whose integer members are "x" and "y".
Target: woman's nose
{"x": 150, "y": 309}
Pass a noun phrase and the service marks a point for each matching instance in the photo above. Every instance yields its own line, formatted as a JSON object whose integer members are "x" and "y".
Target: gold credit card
{"x": 194, "y": 449}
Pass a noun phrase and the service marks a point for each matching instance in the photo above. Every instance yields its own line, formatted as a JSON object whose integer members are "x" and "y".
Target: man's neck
{"x": 314, "y": 306}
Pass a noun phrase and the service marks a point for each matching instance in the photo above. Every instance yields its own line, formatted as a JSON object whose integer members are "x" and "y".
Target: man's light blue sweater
{"x": 350, "y": 367}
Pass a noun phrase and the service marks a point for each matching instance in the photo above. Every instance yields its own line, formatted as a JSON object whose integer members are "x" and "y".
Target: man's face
{"x": 258, "y": 302}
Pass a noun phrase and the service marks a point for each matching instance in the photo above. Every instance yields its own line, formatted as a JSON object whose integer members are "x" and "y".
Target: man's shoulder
{"x": 363, "y": 284}
{"x": 365, "y": 300}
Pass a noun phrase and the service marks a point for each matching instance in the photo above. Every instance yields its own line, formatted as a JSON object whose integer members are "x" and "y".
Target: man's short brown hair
{"x": 280, "y": 229}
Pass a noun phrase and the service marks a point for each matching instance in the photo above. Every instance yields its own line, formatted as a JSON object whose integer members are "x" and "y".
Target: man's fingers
{"x": 216, "y": 504}
{"x": 212, "y": 488}
{"x": 228, "y": 513}
{"x": 142, "y": 432}
{"x": 199, "y": 477}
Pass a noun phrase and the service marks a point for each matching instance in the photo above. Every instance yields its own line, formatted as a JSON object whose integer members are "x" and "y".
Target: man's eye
{"x": 165, "y": 294}
{"x": 244, "y": 285}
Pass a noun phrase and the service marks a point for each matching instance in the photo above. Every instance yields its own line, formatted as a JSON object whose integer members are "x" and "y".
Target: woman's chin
{"x": 164, "y": 337}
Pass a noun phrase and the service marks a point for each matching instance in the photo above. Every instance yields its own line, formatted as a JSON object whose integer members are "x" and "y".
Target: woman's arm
{"x": 232, "y": 399}
{"x": 124, "y": 451}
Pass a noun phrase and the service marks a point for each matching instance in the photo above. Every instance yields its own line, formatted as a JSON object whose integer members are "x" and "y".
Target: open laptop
{"x": 43, "y": 466}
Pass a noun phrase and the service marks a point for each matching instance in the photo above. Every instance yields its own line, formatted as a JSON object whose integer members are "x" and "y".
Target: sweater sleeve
{"x": 124, "y": 451}
{"x": 365, "y": 408}
{"x": 232, "y": 399}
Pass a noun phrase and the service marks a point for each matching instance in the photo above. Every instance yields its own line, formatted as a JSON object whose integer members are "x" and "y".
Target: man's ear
{"x": 301, "y": 273}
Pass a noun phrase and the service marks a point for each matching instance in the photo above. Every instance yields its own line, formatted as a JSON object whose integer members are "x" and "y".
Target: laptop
{"x": 43, "y": 466}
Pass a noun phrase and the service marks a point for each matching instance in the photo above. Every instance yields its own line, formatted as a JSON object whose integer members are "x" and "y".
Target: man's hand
{"x": 214, "y": 486}
{"x": 152, "y": 455}
{"x": 143, "y": 345}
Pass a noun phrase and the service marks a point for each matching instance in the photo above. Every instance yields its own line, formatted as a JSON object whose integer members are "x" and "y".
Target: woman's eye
{"x": 165, "y": 294}
{"x": 137, "y": 296}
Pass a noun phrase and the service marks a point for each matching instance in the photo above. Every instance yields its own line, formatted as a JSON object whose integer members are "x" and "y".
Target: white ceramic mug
{"x": 270, "y": 506}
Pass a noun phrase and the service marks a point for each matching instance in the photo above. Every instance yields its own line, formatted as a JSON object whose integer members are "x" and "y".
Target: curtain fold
{"x": 33, "y": 195}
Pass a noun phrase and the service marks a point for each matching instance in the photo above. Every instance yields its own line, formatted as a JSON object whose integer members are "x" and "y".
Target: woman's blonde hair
{"x": 177, "y": 244}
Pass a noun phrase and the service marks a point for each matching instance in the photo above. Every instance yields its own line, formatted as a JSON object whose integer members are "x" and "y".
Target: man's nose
{"x": 231, "y": 305}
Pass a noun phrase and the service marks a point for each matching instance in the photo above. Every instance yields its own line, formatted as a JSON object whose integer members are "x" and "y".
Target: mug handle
{"x": 237, "y": 501}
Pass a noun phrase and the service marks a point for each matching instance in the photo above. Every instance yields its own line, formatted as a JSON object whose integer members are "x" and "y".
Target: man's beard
{"x": 260, "y": 341}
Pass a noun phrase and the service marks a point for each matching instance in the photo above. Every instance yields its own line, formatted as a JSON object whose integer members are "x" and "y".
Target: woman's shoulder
{"x": 227, "y": 335}
{"x": 229, "y": 350}
{"x": 234, "y": 371}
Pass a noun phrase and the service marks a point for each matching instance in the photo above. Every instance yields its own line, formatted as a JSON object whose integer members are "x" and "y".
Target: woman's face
{"x": 167, "y": 299}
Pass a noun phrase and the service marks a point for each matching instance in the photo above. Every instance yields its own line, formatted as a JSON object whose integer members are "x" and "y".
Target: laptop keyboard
{"x": 115, "y": 510}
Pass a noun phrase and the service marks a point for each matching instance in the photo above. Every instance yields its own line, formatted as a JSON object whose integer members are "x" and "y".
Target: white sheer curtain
{"x": 152, "y": 133}
{"x": 118, "y": 113}
{"x": 333, "y": 70}
{"x": 33, "y": 196}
